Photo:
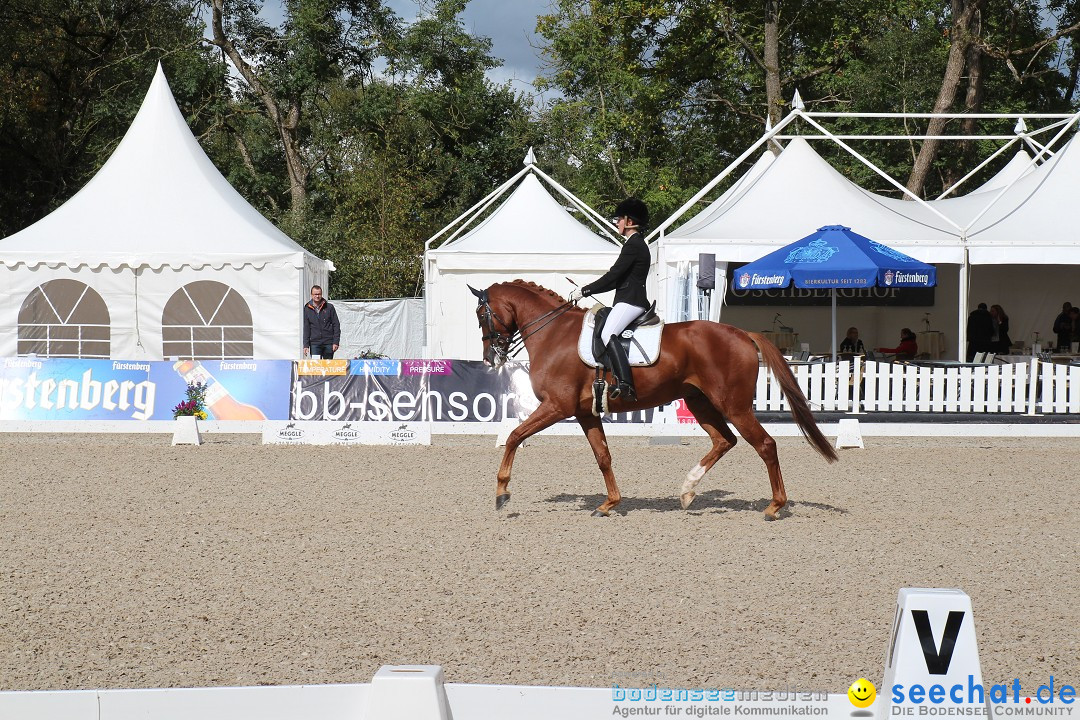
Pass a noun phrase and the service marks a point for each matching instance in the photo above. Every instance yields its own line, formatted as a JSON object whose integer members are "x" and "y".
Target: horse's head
{"x": 497, "y": 322}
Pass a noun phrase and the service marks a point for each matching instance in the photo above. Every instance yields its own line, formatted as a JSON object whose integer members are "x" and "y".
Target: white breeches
{"x": 621, "y": 315}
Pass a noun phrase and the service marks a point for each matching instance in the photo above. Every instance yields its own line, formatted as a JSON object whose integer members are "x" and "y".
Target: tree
{"x": 290, "y": 70}
{"x": 418, "y": 146}
{"x": 72, "y": 75}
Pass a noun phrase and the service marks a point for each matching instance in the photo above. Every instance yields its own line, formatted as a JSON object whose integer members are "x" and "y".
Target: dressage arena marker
{"x": 932, "y": 643}
{"x": 848, "y": 434}
{"x": 186, "y": 431}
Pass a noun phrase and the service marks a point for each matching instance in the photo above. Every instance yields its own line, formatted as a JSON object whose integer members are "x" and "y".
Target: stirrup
{"x": 619, "y": 389}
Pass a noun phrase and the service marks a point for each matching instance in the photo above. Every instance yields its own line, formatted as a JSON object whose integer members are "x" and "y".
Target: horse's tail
{"x": 800, "y": 409}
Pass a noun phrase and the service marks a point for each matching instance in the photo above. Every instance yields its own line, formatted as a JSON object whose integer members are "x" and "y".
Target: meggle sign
{"x": 32, "y": 389}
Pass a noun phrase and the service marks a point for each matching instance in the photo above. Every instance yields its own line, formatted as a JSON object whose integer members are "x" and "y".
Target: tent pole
{"x": 834, "y": 324}
{"x": 961, "y": 321}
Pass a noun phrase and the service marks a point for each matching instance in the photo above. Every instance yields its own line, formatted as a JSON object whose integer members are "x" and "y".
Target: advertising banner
{"x": 72, "y": 389}
{"x": 413, "y": 390}
{"x": 426, "y": 390}
{"x": 60, "y": 389}
{"x": 857, "y": 297}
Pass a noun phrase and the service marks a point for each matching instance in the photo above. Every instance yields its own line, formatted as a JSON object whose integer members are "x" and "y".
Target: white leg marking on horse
{"x": 693, "y": 478}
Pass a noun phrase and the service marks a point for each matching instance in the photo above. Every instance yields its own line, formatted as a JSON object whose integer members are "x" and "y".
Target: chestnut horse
{"x": 713, "y": 366}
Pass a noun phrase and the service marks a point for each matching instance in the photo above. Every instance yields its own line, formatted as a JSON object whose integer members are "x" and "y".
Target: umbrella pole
{"x": 834, "y": 324}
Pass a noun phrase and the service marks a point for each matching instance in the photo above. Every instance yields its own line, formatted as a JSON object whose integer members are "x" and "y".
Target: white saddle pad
{"x": 644, "y": 345}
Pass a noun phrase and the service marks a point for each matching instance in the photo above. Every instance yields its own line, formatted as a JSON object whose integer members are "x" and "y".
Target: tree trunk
{"x": 771, "y": 57}
{"x": 286, "y": 120}
{"x": 964, "y": 32}
{"x": 972, "y": 104}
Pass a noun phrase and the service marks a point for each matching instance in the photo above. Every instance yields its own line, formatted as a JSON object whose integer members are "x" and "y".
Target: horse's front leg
{"x": 594, "y": 431}
{"x": 546, "y": 415}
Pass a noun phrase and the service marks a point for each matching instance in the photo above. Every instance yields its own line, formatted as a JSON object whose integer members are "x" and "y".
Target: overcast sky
{"x": 511, "y": 25}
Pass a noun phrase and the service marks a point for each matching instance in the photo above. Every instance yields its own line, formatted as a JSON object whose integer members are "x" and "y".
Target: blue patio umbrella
{"x": 835, "y": 257}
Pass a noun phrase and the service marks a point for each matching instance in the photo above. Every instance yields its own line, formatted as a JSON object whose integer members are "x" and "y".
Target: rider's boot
{"x": 620, "y": 368}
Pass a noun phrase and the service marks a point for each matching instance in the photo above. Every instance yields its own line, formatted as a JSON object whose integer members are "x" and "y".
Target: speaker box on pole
{"x": 706, "y": 271}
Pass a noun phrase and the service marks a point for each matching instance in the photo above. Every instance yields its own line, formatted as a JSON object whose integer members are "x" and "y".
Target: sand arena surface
{"x": 125, "y": 562}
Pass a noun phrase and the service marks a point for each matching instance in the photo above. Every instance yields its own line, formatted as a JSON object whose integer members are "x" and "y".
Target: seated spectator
{"x": 908, "y": 347}
{"x": 852, "y": 344}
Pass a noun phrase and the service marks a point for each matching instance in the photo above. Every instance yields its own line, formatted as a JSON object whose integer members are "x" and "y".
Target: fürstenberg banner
{"x": 72, "y": 389}
{"x": 450, "y": 391}
{"x": 437, "y": 391}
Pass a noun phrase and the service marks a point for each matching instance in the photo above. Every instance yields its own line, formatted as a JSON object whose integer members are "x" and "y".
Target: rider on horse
{"x": 627, "y": 278}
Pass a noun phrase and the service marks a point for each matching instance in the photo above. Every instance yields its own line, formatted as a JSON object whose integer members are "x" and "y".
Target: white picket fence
{"x": 856, "y": 386}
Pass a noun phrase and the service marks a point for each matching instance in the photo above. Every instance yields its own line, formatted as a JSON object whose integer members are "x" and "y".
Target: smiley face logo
{"x": 862, "y": 693}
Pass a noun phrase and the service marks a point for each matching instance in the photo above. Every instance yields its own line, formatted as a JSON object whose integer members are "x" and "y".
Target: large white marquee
{"x": 157, "y": 256}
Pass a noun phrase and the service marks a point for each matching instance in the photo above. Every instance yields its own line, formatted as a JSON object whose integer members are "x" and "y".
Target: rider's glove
{"x": 574, "y": 295}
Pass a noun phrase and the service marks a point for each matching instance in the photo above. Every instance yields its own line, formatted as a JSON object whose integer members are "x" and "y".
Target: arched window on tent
{"x": 206, "y": 320}
{"x": 64, "y": 318}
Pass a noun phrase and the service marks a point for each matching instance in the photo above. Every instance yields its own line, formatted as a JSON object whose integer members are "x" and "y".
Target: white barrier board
{"x": 320, "y": 432}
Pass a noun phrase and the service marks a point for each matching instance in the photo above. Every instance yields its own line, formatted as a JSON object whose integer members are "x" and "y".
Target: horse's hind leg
{"x": 542, "y": 417}
{"x": 714, "y": 423}
{"x": 594, "y": 431}
{"x": 751, "y": 430}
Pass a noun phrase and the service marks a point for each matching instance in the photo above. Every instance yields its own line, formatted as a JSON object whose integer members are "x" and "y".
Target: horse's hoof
{"x": 772, "y": 513}
{"x": 599, "y": 513}
{"x": 501, "y": 500}
{"x": 687, "y": 498}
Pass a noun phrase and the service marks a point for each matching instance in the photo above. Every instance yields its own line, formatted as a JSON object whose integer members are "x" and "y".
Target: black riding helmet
{"x": 633, "y": 209}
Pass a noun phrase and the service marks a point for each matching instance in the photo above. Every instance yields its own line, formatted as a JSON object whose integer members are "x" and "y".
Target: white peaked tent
{"x": 791, "y": 197}
{"x": 1019, "y": 220}
{"x": 1018, "y": 166}
{"x": 157, "y": 256}
{"x": 530, "y": 235}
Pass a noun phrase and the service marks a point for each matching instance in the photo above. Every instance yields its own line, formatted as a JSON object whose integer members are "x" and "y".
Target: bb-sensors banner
{"x": 438, "y": 390}
{"x": 60, "y": 389}
{"x": 420, "y": 390}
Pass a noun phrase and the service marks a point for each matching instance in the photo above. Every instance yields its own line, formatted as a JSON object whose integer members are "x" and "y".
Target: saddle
{"x": 641, "y": 339}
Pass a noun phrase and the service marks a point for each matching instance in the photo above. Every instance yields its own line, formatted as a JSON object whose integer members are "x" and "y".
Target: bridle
{"x": 503, "y": 344}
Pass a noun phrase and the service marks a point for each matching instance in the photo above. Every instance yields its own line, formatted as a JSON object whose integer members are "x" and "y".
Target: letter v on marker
{"x": 937, "y": 660}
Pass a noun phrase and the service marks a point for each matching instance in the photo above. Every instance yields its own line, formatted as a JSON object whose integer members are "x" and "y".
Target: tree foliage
{"x": 72, "y": 75}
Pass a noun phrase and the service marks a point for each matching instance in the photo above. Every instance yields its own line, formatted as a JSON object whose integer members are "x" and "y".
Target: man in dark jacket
{"x": 322, "y": 331}
{"x": 627, "y": 278}
{"x": 980, "y": 331}
{"x": 1063, "y": 327}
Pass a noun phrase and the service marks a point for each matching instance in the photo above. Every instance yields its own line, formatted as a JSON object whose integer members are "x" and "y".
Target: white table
{"x": 933, "y": 342}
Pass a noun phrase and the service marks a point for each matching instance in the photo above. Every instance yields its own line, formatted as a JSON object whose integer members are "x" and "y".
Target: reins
{"x": 516, "y": 345}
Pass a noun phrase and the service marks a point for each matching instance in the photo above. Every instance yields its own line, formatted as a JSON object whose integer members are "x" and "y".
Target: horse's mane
{"x": 538, "y": 289}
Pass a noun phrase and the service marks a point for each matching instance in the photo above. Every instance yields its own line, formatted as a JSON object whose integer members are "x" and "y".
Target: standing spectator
{"x": 322, "y": 331}
{"x": 1063, "y": 327}
{"x": 980, "y": 330}
{"x": 1003, "y": 343}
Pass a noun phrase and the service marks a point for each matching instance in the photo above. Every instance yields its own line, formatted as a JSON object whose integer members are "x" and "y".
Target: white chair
{"x": 980, "y": 358}
{"x": 990, "y": 358}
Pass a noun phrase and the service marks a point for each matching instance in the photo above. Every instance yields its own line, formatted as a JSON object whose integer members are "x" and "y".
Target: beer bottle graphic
{"x": 219, "y": 402}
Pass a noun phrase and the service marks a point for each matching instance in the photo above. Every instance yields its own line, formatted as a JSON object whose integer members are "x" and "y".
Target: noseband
{"x": 500, "y": 343}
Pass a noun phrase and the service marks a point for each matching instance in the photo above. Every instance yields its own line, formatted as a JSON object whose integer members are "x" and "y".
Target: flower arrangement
{"x": 371, "y": 355}
{"x": 195, "y": 403}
